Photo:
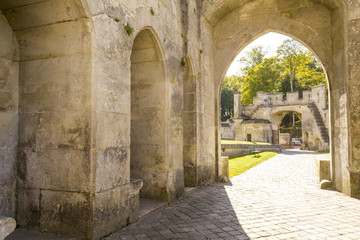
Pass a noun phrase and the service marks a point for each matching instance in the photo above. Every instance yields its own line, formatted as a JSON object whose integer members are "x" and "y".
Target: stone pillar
{"x": 7, "y": 226}
{"x": 237, "y": 105}
{"x": 225, "y": 167}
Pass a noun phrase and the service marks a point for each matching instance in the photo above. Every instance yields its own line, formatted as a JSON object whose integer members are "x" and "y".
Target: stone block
{"x": 56, "y": 169}
{"x": 286, "y": 5}
{"x": 326, "y": 184}
{"x": 324, "y": 169}
{"x": 109, "y": 132}
{"x": 44, "y": 13}
{"x": 68, "y": 38}
{"x": 7, "y": 202}
{"x": 6, "y": 38}
{"x": 148, "y": 126}
{"x": 112, "y": 167}
{"x": 225, "y": 166}
{"x": 112, "y": 40}
{"x": 190, "y": 176}
{"x": 8, "y": 156}
{"x": 67, "y": 213}
{"x": 355, "y": 184}
{"x": 61, "y": 83}
{"x": 28, "y": 208}
{"x": 115, "y": 208}
{"x": 70, "y": 130}
{"x": 8, "y": 129}
{"x": 7, "y": 226}
{"x": 151, "y": 169}
{"x": 353, "y": 9}
{"x": 96, "y": 7}
{"x": 16, "y": 3}
{"x": 354, "y": 34}
{"x": 28, "y": 126}
{"x": 190, "y": 154}
{"x": 147, "y": 94}
{"x": 113, "y": 86}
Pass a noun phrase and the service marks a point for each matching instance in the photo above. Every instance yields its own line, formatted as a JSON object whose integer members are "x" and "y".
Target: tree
{"x": 291, "y": 55}
{"x": 261, "y": 77}
{"x": 230, "y": 85}
{"x": 293, "y": 69}
{"x": 252, "y": 58}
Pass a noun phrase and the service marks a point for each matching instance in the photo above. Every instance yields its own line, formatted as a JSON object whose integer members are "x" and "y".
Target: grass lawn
{"x": 242, "y": 142}
{"x": 240, "y": 165}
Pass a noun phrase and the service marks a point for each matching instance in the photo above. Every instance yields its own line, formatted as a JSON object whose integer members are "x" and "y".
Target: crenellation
{"x": 262, "y": 118}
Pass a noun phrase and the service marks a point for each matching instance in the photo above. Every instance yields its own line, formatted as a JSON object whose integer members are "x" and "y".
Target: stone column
{"x": 237, "y": 105}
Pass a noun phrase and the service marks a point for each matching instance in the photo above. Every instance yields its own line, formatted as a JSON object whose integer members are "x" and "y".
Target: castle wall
{"x": 65, "y": 90}
{"x": 9, "y": 102}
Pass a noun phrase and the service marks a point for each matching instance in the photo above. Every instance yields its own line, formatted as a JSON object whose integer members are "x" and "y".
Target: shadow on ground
{"x": 206, "y": 214}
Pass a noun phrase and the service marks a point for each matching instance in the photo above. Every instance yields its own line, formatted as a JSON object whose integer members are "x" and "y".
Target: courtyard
{"x": 278, "y": 199}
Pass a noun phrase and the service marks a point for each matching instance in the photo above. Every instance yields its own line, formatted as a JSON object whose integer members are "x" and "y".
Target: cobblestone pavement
{"x": 278, "y": 199}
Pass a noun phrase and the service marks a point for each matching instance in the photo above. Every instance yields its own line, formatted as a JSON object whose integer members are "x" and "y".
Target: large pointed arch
{"x": 319, "y": 26}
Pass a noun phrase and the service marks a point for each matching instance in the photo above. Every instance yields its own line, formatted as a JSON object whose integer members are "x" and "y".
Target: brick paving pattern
{"x": 278, "y": 199}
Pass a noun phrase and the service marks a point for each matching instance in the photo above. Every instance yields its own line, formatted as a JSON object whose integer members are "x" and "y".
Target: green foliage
{"x": 293, "y": 69}
{"x": 261, "y": 77}
{"x": 128, "y": 29}
{"x": 116, "y": 20}
{"x": 230, "y": 85}
{"x": 183, "y": 62}
{"x": 286, "y": 125}
{"x": 253, "y": 57}
{"x": 240, "y": 165}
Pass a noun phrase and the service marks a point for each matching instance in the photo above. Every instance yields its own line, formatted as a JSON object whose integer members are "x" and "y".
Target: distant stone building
{"x": 260, "y": 121}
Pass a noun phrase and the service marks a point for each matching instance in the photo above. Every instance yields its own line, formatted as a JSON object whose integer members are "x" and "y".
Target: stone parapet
{"x": 237, "y": 150}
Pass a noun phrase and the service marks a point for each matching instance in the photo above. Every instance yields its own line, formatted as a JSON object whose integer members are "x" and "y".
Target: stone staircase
{"x": 319, "y": 121}
{"x": 255, "y": 110}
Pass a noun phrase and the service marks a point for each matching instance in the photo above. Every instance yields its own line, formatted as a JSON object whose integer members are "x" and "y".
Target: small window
{"x": 249, "y": 137}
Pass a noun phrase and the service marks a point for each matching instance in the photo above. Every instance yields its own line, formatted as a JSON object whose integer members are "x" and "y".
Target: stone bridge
{"x": 261, "y": 120}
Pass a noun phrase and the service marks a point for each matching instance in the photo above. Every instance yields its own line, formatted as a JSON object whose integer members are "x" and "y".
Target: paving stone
{"x": 278, "y": 199}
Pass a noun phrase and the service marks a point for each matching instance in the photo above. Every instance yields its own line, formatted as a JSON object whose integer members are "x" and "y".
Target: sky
{"x": 269, "y": 41}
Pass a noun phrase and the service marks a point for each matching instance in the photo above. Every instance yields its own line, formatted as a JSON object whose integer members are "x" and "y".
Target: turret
{"x": 237, "y": 105}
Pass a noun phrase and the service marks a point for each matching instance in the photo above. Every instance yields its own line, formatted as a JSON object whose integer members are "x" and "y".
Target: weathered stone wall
{"x": 9, "y": 101}
{"x": 53, "y": 165}
{"x": 352, "y": 65}
{"x": 258, "y": 132}
{"x": 67, "y": 65}
{"x": 228, "y": 129}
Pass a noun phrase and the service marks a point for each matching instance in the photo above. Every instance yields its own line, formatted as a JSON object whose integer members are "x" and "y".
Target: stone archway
{"x": 148, "y": 107}
{"x": 319, "y": 26}
{"x": 190, "y": 126}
